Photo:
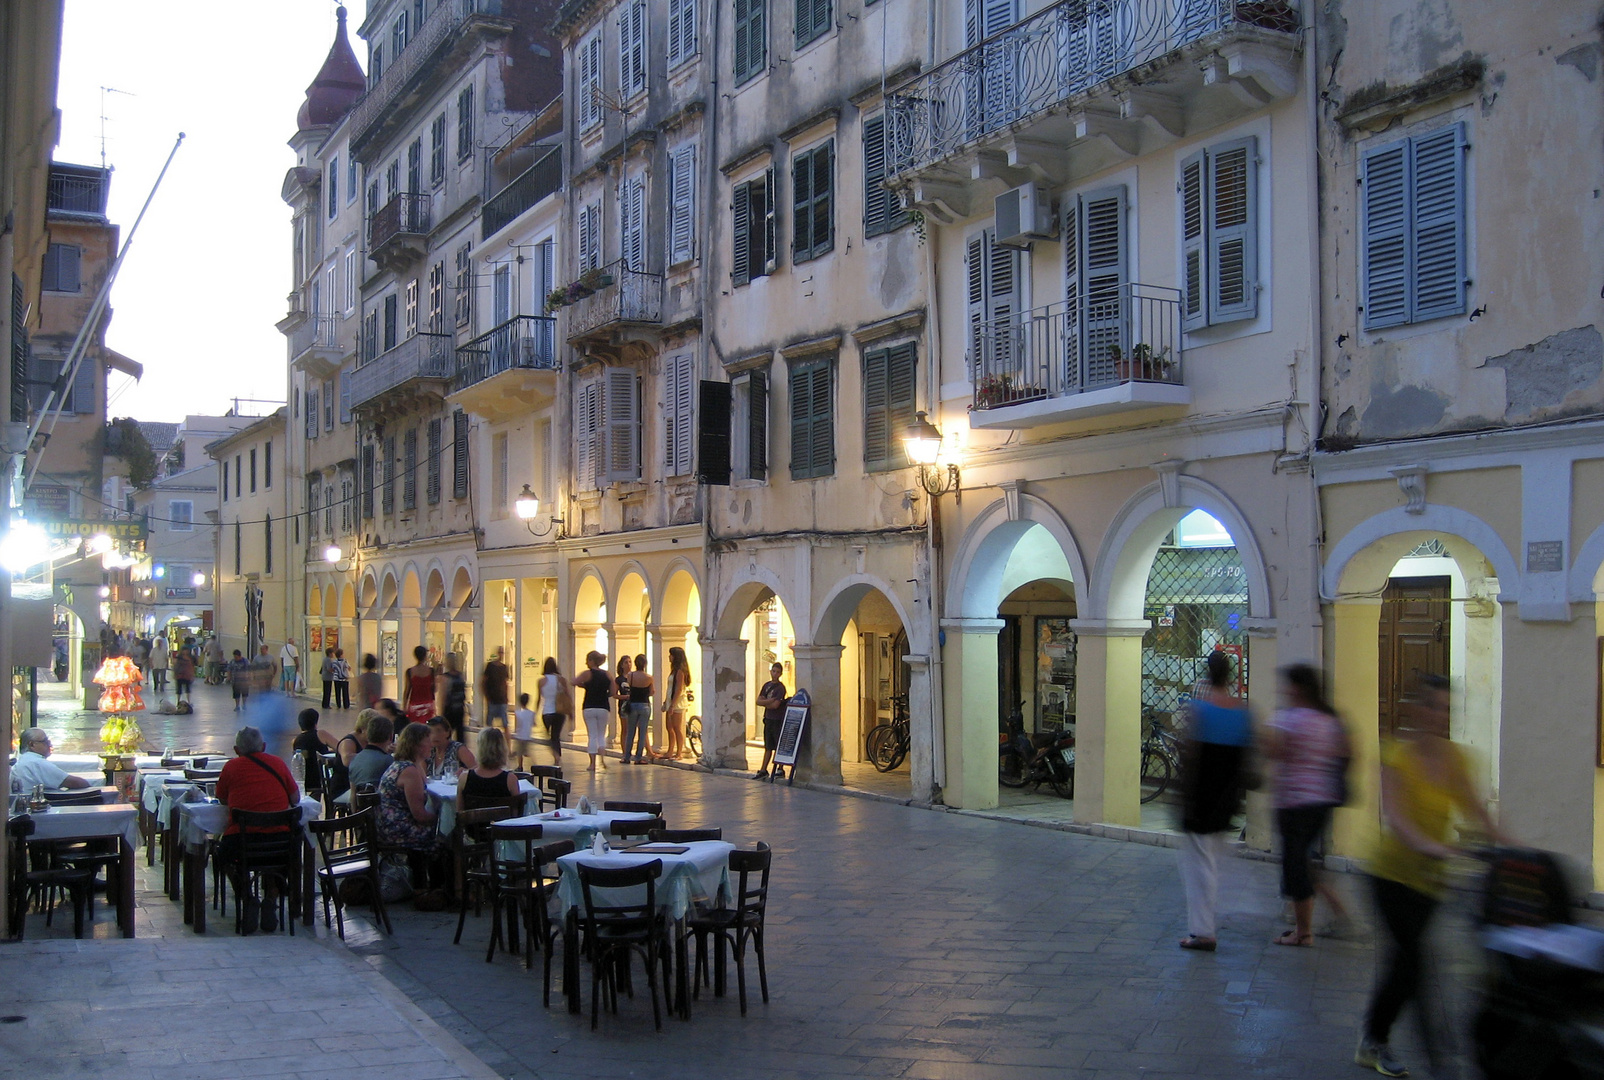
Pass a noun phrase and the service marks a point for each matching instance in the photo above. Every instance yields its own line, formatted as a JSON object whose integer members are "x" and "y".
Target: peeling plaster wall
{"x": 1534, "y": 215}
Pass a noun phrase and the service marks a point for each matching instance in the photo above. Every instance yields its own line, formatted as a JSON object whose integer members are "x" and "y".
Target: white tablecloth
{"x": 572, "y": 825}
{"x": 703, "y": 872}
{"x": 444, "y": 792}
{"x": 198, "y": 820}
{"x": 86, "y": 822}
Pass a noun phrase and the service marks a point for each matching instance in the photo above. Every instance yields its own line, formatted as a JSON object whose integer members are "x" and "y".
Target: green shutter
{"x": 757, "y": 430}
{"x": 823, "y": 422}
{"x": 901, "y": 380}
{"x": 801, "y": 207}
{"x": 1194, "y": 250}
{"x": 876, "y": 433}
{"x": 1233, "y": 242}
{"x": 876, "y": 199}
{"x": 743, "y": 234}
{"x": 801, "y": 387}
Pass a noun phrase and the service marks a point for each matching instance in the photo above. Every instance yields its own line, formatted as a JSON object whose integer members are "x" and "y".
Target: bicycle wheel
{"x": 1011, "y": 770}
{"x": 1156, "y": 774}
{"x": 693, "y": 735}
{"x": 1062, "y": 776}
{"x": 899, "y": 750}
{"x": 881, "y": 745}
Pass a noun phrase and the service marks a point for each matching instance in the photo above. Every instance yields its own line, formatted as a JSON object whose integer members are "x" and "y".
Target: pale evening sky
{"x": 208, "y": 272}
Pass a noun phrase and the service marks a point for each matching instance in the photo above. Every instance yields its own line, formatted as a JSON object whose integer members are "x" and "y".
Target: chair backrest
{"x": 514, "y": 803}
{"x": 653, "y": 808}
{"x": 622, "y": 915}
{"x": 202, "y": 774}
{"x": 558, "y": 794}
{"x": 473, "y": 826}
{"x": 344, "y": 839}
{"x": 364, "y": 797}
{"x": 640, "y": 827}
{"x": 74, "y": 798}
{"x": 749, "y": 898}
{"x": 268, "y": 839}
{"x": 506, "y": 868}
{"x": 684, "y": 836}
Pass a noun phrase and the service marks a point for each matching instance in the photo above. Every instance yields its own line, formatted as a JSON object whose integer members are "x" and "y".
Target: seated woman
{"x": 258, "y": 781}
{"x": 408, "y": 822}
{"x": 446, "y": 752}
{"x": 349, "y": 746}
{"x": 312, "y": 743}
{"x": 490, "y": 778}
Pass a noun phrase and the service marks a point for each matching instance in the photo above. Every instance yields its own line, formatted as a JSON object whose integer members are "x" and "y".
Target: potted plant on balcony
{"x": 556, "y": 299}
{"x": 995, "y": 391}
{"x": 1143, "y": 365}
{"x": 595, "y": 279}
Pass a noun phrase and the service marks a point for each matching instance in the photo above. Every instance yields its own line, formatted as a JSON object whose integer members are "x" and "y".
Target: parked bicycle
{"x": 887, "y": 744}
{"x": 693, "y": 736}
{"x": 1161, "y": 755}
{"x": 1045, "y": 758}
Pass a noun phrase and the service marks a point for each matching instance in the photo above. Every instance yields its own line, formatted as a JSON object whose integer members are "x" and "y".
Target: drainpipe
{"x": 1315, "y": 395}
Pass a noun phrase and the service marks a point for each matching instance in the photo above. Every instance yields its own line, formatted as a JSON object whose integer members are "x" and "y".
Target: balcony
{"x": 421, "y": 366}
{"x": 634, "y": 298}
{"x": 426, "y": 56}
{"x": 544, "y": 177}
{"x": 1117, "y": 351}
{"x": 77, "y": 191}
{"x": 510, "y": 370}
{"x": 1080, "y": 86}
{"x": 315, "y": 346}
{"x": 398, "y": 231}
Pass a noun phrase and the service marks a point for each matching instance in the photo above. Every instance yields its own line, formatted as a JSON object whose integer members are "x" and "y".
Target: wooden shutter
{"x": 1194, "y": 253}
{"x": 632, "y": 48}
{"x": 1384, "y": 235}
{"x": 742, "y": 234}
{"x": 766, "y": 219}
{"x": 975, "y": 292}
{"x": 83, "y": 387}
{"x": 621, "y": 421}
{"x": 812, "y": 19}
{"x": 823, "y": 455}
{"x": 435, "y": 450}
{"x": 1233, "y": 239}
{"x": 367, "y": 481}
{"x": 757, "y": 425}
{"x": 409, "y": 469}
{"x": 682, "y": 204}
{"x": 713, "y": 436}
{"x": 589, "y": 80}
{"x": 587, "y": 426}
{"x": 676, "y": 42}
{"x": 345, "y": 397}
{"x": 1102, "y": 262}
{"x": 751, "y": 38}
{"x": 801, "y": 203}
{"x": 801, "y": 387}
{"x": 876, "y": 199}
{"x": 1437, "y": 224}
{"x": 876, "y": 435}
{"x": 902, "y": 376}
{"x": 678, "y": 414}
{"x": 824, "y": 198}
{"x": 388, "y": 465}
{"x": 459, "y": 454}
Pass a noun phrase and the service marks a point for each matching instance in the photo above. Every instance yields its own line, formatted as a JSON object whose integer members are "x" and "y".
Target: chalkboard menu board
{"x": 796, "y": 718}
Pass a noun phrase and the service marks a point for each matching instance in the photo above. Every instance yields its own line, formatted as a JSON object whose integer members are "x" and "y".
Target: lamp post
{"x": 527, "y": 507}
{"x": 922, "y": 441}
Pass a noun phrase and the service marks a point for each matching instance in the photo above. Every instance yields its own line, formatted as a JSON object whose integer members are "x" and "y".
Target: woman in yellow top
{"x": 1423, "y": 782}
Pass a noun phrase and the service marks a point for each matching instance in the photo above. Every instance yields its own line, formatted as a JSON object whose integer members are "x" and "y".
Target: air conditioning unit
{"x": 1025, "y": 214}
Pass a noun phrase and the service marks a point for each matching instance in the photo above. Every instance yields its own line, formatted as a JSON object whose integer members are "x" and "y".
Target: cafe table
{"x": 700, "y": 872}
{"x": 98, "y": 822}
{"x": 572, "y": 825}
{"x": 202, "y": 821}
{"x": 445, "y": 792}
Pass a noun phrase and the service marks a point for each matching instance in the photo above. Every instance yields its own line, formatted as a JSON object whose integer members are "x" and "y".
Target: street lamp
{"x": 527, "y": 507}
{"x": 922, "y": 441}
{"x": 198, "y": 580}
{"x": 332, "y": 553}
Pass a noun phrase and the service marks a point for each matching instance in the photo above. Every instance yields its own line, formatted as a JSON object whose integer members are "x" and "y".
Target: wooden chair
{"x": 558, "y": 795}
{"x": 472, "y": 850}
{"x": 739, "y": 926}
{"x": 625, "y": 830}
{"x": 27, "y": 884}
{"x": 542, "y": 776}
{"x": 514, "y": 803}
{"x": 268, "y": 856}
{"x": 684, "y": 836}
{"x": 614, "y": 931}
{"x": 90, "y": 797}
{"x": 653, "y": 808}
{"x": 346, "y": 853}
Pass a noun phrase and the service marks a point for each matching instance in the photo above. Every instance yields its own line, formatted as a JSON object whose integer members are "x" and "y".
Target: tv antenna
{"x": 104, "y": 90}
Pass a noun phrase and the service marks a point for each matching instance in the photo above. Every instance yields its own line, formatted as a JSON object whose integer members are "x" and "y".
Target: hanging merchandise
{"x": 120, "y": 699}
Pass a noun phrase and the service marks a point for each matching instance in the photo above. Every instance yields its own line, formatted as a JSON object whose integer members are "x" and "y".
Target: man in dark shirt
{"x": 772, "y": 698}
{"x": 493, "y": 685}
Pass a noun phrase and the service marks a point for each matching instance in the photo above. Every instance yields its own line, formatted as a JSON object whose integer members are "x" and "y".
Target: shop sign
{"x": 797, "y": 711}
{"x": 180, "y": 592}
{"x": 64, "y": 528}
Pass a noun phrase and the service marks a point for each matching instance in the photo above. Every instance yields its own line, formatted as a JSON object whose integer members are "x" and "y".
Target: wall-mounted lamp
{"x": 337, "y": 559}
{"x": 922, "y": 442}
{"x": 527, "y": 507}
{"x": 198, "y": 580}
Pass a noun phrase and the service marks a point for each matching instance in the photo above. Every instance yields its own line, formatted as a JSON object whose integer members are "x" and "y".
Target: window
{"x": 889, "y": 377}
{"x": 267, "y": 465}
{"x": 813, "y": 18}
{"x": 415, "y": 165}
{"x": 632, "y": 222}
{"x": 367, "y": 481}
{"x": 314, "y": 500}
{"x": 681, "y": 30}
{"x": 267, "y": 544}
{"x": 437, "y": 298}
{"x": 375, "y": 64}
{"x": 370, "y": 335}
{"x": 346, "y": 507}
{"x": 751, "y": 39}
{"x": 331, "y": 290}
{"x": 632, "y": 48}
{"x": 465, "y": 122}
{"x": 181, "y": 515}
{"x": 749, "y": 426}
{"x": 882, "y": 210}
{"x": 239, "y": 489}
{"x": 409, "y": 321}
{"x": 459, "y": 454}
{"x": 812, "y": 419}
{"x": 253, "y": 470}
{"x": 328, "y": 510}
{"x": 334, "y": 187}
{"x": 350, "y": 179}
{"x": 587, "y": 432}
{"x": 435, "y": 450}
{"x": 328, "y": 405}
{"x": 590, "y": 111}
{"x": 992, "y": 274}
{"x": 1412, "y": 259}
{"x": 311, "y": 420}
{"x": 345, "y": 397}
{"x": 813, "y": 208}
{"x": 607, "y": 422}
{"x": 373, "y": 198}
{"x": 390, "y": 322}
{"x": 679, "y": 420}
{"x": 239, "y": 549}
{"x": 1219, "y": 196}
{"x": 225, "y": 481}
{"x": 392, "y": 180}
{"x": 409, "y": 470}
{"x": 590, "y": 236}
{"x": 61, "y": 268}
{"x": 389, "y": 475}
{"x": 464, "y": 285}
{"x": 754, "y": 228}
{"x": 682, "y": 204}
{"x": 1095, "y": 276}
{"x": 398, "y": 34}
{"x": 350, "y": 280}
{"x": 437, "y": 151}
{"x": 501, "y": 482}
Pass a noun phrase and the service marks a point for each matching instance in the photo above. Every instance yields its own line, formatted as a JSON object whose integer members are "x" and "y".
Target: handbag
{"x": 565, "y": 698}
{"x": 395, "y": 879}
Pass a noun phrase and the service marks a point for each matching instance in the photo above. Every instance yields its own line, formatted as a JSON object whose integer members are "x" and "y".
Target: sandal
{"x": 1291, "y": 938}
{"x": 1199, "y": 944}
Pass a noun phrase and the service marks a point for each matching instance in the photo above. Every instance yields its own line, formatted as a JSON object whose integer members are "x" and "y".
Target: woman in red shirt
{"x": 260, "y": 782}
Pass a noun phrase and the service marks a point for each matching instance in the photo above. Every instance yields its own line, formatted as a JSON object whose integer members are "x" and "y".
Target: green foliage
{"x": 123, "y": 439}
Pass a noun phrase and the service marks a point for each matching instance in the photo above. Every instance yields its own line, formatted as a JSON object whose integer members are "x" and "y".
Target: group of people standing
{"x": 631, "y": 689}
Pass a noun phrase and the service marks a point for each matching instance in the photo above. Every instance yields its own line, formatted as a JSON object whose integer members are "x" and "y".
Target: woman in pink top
{"x": 1309, "y": 747}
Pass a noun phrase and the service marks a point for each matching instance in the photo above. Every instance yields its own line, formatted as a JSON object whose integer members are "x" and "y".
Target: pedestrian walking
{"x": 595, "y": 705}
{"x": 772, "y": 699}
{"x": 289, "y": 660}
{"x": 1424, "y": 780}
{"x": 239, "y": 679}
{"x": 1218, "y": 736}
{"x": 214, "y": 661}
{"x": 1309, "y": 748}
{"x": 638, "y": 711}
{"x": 326, "y": 673}
{"x": 556, "y": 704}
{"x": 454, "y": 698}
{"x": 342, "y": 680}
{"x": 493, "y": 685}
{"x": 369, "y": 684}
{"x": 418, "y": 687}
{"x": 182, "y": 665}
{"x": 523, "y": 738}
{"x": 159, "y": 661}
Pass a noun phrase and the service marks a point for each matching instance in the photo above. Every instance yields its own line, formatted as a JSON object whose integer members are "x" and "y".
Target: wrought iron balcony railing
{"x": 77, "y": 190}
{"x": 533, "y": 184}
{"x": 406, "y": 214}
{"x": 404, "y": 69}
{"x": 524, "y": 341}
{"x": 421, "y": 356}
{"x": 634, "y": 296}
{"x": 317, "y": 332}
{"x": 1059, "y": 52}
{"x": 1131, "y": 333}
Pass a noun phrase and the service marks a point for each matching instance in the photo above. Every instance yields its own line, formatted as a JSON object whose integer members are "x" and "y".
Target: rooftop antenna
{"x": 104, "y": 90}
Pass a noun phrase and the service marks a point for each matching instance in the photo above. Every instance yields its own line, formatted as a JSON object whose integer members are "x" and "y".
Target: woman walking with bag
{"x": 1218, "y": 737}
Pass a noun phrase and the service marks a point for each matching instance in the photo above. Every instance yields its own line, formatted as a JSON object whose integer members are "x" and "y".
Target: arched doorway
{"x": 678, "y": 618}
{"x": 856, "y": 669}
{"x": 753, "y": 632}
{"x": 590, "y": 618}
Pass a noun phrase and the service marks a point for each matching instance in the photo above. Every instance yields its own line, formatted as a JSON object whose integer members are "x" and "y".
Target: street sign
{"x": 181, "y": 593}
{"x": 797, "y": 710}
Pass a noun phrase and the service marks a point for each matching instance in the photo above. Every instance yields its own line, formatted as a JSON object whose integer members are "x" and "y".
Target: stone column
{"x": 724, "y": 707}
{"x": 1108, "y": 721}
{"x": 818, "y": 671}
{"x": 1355, "y": 687}
{"x": 970, "y": 661}
{"x": 626, "y": 638}
{"x": 922, "y": 732}
{"x": 665, "y": 636}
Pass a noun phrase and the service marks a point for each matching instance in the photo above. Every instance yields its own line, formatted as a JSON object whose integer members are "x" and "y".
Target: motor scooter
{"x": 1046, "y": 757}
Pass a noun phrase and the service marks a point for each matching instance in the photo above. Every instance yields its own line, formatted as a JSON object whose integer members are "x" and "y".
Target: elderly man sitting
{"x": 257, "y": 781}
{"x": 34, "y": 767}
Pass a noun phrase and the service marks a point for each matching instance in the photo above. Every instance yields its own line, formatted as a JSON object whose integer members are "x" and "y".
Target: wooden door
{"x": 1414, "y": 639}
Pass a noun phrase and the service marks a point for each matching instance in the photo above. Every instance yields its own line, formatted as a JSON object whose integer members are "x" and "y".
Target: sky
{"x": 208, "y": 273}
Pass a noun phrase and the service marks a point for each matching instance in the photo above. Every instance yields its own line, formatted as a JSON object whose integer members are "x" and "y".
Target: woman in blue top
{"x": 1219, "y": 733}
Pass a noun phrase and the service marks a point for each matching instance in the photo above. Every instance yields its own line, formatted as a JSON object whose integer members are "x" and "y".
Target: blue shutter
{"x": 1194, "y": 247}
{"x": 1437, "y": 224}
{"x": 83, "y": 387}
{"x": 1384, "y": 235}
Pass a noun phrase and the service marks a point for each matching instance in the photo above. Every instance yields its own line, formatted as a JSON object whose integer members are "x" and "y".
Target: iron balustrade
{"x": 523, "y": 341}
{"x": 633, "y": 296}
{"x": 318, "y": 332}
{"x": 1061, "y": 51}
{"x": 407, "y": 213}
{"x": 1128, "y": 334}
{"x": 533, "y": 184}
{"x": 76, "y": 190}
{"x": 421, "y": 356}
{"x": 440, "y": 25}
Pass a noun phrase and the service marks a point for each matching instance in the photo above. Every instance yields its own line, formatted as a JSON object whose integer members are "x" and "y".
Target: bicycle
{"x": 887, "y": 744}
{"x": 693, "y": 736}
{"x": 1161, "y": 756}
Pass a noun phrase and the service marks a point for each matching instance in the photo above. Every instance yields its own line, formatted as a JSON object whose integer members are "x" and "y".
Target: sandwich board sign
{"x": 797, "y": 711}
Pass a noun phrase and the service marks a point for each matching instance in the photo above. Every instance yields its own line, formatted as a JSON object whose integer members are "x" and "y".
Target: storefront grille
{"x": 1197, "y": 601}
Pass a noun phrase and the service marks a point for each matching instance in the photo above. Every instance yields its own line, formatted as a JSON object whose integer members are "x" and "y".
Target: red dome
{"x": 337, "y": 87}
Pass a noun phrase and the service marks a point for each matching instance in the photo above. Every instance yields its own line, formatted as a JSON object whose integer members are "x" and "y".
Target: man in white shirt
{"x": 33, "y": 766}
{"x": 288, "y": 657}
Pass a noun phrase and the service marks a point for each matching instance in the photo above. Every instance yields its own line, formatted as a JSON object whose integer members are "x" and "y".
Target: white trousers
{"x": 596, "y": 728}
{"x": 1200, "y": 876}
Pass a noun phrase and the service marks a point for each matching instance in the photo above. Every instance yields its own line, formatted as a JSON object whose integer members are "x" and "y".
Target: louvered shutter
{"x": 1384, "y": 235}
{"x": 1003, "y": 300}
{"x": 459, "y": 454}
{"x": 801, "y": 202}
{"x": 1437, "y": 224}
{"x": 1102, "y": 260}
{"x": 713, "y": 437}
{"x": 1194, "y": 254}
{"x": 767, "y": 218}
{"x": 678, "y": 414}
{"x": 345, "y": 397}
{"x": 83, "y": 387}
{"x": 586, "y": 425}
{"x": 901, "y": 381}
{"x": 975, "y": 274}
{"x": 409, "y": 469}
{"x": 589, "y": 80}
{"x": 1233, "y": 242}
{"x": 823, "y": 422}
{"x": 435, "y": 450}
{"x": 367, "y": 482}
{"x": 682, "y": 184}
{"x": 743, "y": 234}
{"x": 621, "y": 418}
{"x": 388, "y": 465}
{"x": 632, "y": 222}
{"x": 676, "y": 43}
{"x": 801, "y": 387}
{"x": 757, "y": 425}
{"x": 751, "y": 38}
{"x": 824, "y": 198}
{"x": 876, "y": 436}
{"x": 876, "y": 199}
{"x": 68, "y": 268}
